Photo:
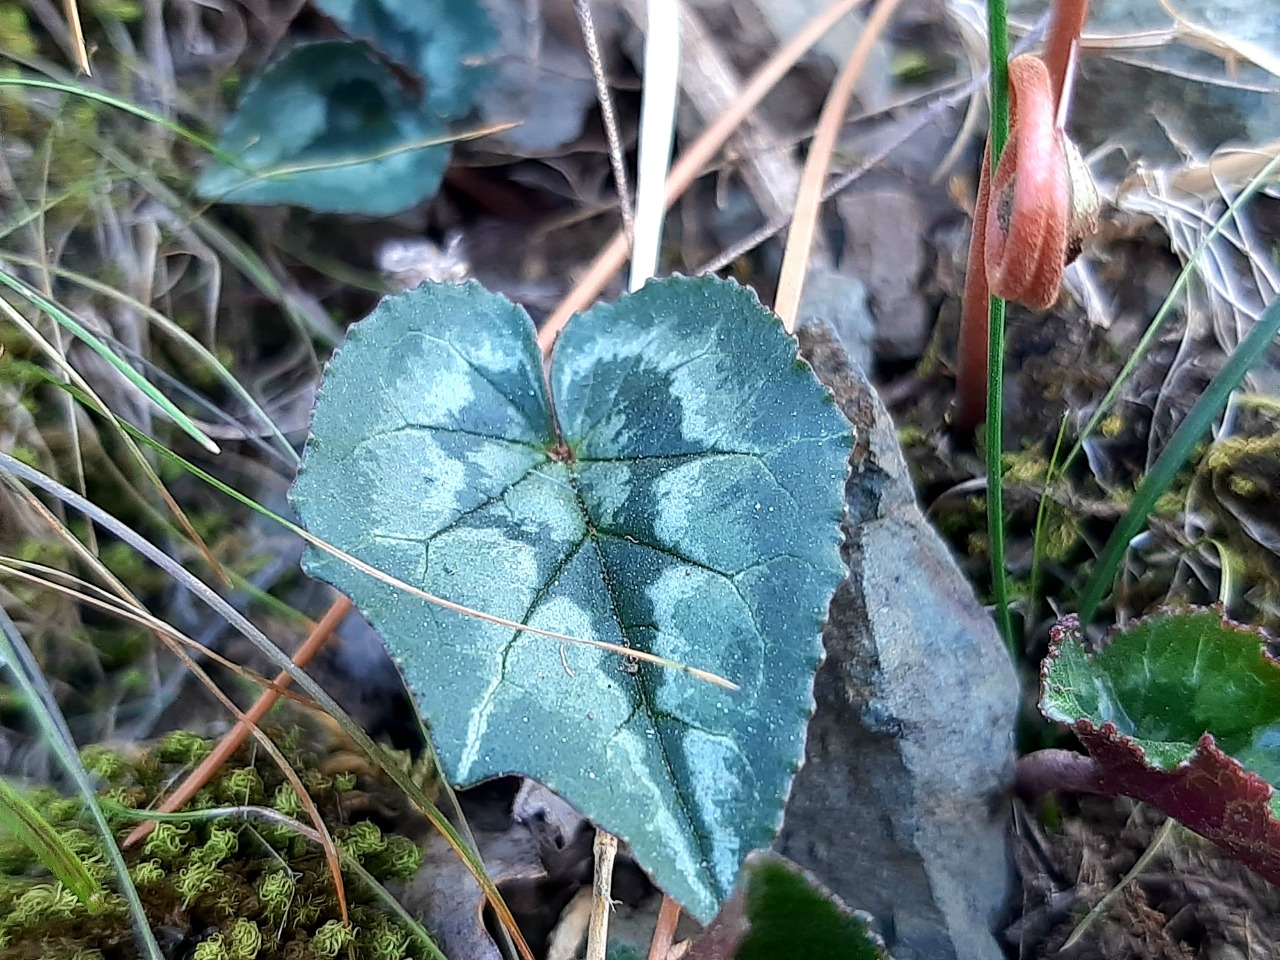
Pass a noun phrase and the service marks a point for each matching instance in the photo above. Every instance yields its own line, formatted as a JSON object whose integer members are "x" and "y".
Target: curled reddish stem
{"x": 1029, "y": 206}
{"x": 1030, "y": 219}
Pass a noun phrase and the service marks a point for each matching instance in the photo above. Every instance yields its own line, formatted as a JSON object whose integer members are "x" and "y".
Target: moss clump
{"x": 214, "y": 889}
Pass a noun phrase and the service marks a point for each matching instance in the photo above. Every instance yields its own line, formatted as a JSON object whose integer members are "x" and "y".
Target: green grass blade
{"x": 1261, "y": 179}
{"x": 35, "y": 691}
{"x": 1042, "y": 516}
{"x": 20, "y": 818}
{"x": 1177, "y": 452}
{"x": 100, "y": 96}
{"x": 74, "y": 326}
{"x": 998, "y": 32}
{"x": 240, "y": 623}
{"x": 182, "y": 336}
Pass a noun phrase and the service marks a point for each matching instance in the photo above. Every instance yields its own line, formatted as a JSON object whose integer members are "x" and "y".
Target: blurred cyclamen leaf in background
{"x": 331, "y": 127}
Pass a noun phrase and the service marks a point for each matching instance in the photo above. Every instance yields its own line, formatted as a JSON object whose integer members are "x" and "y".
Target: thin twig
{"x": 795, "y": 260}
{"x": 231, "y": 741}
{"x": 664, "y": 932}
{"x": 617, "y": 156}
{"x": 610, "y": 260}
{"x": 606, "y": 849}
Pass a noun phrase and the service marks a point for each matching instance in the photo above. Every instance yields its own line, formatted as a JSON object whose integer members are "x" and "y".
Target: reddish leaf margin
{"x": 1209, "y": 791}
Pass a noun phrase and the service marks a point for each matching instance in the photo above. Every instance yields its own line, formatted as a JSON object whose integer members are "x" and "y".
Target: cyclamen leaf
{"x": 781, "y": 913}
{"x": 690, "y": 507}
{"x": 442, "y": 41}
{"x": 1180, "y": 710}
{"x": 329, "y": 128}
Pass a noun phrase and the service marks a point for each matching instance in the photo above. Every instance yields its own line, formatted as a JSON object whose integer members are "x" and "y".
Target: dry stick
{"x": 610, "y": 260}
{"x": 711, "y": 83}
{"x": 77, "y": 36}
{"x": 795, "y": 259}
{"x": 291, "y": 775}
{"x": 617, "y": 158}
{"x": 231, "y": 741}
{"x": 664, "y": 933}
{"x": 606, "y": 849}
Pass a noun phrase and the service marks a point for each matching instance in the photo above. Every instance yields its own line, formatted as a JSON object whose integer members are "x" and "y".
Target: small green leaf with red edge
{"x": 1180, "y": 710}
{"x": 780, "y": 912}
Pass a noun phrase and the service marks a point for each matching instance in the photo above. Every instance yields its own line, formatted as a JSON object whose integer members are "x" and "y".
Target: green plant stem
{"x": 1177, "y": 452}
{"x": 1042, "y": 515}
{"x": 998, "y": 33}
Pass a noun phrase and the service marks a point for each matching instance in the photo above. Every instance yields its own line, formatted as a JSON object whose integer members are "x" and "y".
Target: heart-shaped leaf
{"x": 687, "y": 504}
{"x": 329, "y": 128}
{"x": 1180, "y": 710}
{"x": 442, "y": 41}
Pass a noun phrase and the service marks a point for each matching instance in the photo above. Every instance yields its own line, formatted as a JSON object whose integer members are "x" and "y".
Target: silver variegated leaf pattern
{"x": 687, "y": 504}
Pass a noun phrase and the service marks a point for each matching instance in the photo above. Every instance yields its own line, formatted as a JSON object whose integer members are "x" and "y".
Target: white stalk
{"x": 657, "y": 131}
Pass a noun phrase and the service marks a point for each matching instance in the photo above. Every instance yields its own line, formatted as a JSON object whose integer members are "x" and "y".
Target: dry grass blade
{"x": 177, "y": 640}
{"x": 611, "y": 259}
{"x": 232, "y": 739}
{"x": 906, "y": 129}
{"x": 658, "y": 105}
{"x": 313, "y": 812}
{"x": 391, "y": 581}
{"x": 181, "y": 336}
{"x": 77, "y": 36}
{"x": 1104, "y": 905}
{"x": 1231, "y": 49}
{"x": 72, "y": 587}
{"x": 72, "y": 375}
{"x": 795, "y": 260}
{"x": 617, "y": 156}
{"x": 241, "y": 624}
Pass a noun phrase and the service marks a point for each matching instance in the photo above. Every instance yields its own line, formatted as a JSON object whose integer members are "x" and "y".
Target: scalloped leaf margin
{"x": 1180, "y": 710}
{"x": 679, "y": 488}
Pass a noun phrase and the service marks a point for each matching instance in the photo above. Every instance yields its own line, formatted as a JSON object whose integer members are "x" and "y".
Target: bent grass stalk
{"x": 1177, "y": 451}
{"x": 260, "y": 641}
{"x": 39, "y": 699}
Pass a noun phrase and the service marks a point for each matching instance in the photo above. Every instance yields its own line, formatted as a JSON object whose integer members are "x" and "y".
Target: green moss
{"x": 15, "y": 31}
{"x": 236, "y": 889}
{"x": 1028, "y": 465}
{"x": 1061, "y": 533}
{"x": 126, "y": 11}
